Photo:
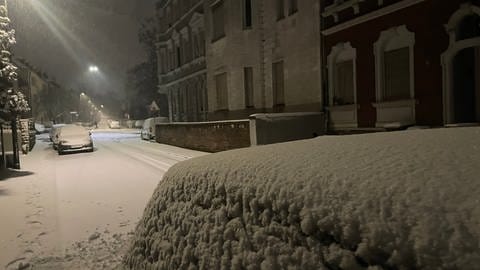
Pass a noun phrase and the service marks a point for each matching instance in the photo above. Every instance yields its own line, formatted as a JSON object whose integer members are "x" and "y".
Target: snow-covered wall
{"x": 267, "y": 128}
{"x": 400, "y": 200}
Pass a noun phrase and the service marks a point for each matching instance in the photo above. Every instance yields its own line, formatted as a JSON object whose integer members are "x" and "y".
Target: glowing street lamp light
{"x": 93, "y": 68}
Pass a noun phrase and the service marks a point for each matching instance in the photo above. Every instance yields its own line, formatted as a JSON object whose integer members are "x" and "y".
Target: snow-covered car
{"x": 53, "y": 134}
{"x": 39, "y": 128}
{"x": 114, "y": 124}
{"x": 148, "y": 129}
{"x": 398, "y": 200}
{"x": 139, "y": 124}
{"x": 73, "y": 138}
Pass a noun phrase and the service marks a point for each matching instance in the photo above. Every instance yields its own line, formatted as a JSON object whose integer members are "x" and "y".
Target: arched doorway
{"x": 461, "y": 67}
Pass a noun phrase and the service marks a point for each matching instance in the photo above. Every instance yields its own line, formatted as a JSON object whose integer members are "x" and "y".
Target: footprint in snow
{"x": 94, "y": 236}
{"x": 35, "y": 222}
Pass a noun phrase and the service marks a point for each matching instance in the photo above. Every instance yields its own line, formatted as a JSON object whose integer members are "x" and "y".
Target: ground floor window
{"x": 344, "y": 84}
{"x": 397, "y": 74}
{"x": 248, "y": 84}
{"x": 222, "y": 91}
{"x": 278, "y": 84}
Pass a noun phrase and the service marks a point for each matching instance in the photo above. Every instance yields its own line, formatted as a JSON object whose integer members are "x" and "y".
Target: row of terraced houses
{"x": 368, "y": 64}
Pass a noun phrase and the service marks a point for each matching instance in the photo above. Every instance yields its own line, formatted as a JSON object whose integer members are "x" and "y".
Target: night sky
{"x": 64, "y": 37}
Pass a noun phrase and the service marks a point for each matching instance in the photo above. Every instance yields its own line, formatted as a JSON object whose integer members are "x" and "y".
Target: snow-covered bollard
{"x": 401, "y": 200}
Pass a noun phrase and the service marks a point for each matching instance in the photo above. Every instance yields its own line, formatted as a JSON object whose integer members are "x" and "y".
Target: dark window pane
{"x": 222, "y": 91}
{"x": 278, "y": 84}
{"x": 397, "y": 74}
{"x": 248, "y": 82}
{"x": 344, "y": 83}
{"x": 247, "y": 16}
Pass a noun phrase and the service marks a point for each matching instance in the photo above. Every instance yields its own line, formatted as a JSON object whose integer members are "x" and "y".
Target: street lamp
{"x": 93, "y": 68}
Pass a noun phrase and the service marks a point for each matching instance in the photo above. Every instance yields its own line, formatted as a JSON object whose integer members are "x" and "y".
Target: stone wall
{"x": 282, "y": 127}
{"x": 205, "y": 136}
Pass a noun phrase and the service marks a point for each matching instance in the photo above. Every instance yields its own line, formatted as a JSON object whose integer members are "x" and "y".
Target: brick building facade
{"x": 400, "y": 63}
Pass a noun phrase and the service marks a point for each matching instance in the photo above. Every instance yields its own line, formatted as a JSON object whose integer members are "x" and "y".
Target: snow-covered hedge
{"x": 401, "y": 200}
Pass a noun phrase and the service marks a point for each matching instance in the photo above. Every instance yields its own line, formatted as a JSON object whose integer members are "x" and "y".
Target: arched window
{"x": 469, "y": 27}
{"x": 460, "y": 64}
{"x": 342, "y": 74}
{"x": 394, "y": 65}
{"x": 394, "y": 78}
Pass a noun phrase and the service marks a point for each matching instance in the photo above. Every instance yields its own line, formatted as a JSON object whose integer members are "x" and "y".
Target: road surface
{"x": 78, "y": 210}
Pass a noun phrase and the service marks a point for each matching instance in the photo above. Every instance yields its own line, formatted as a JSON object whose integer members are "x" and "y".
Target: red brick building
{"x": 400, "y": 63}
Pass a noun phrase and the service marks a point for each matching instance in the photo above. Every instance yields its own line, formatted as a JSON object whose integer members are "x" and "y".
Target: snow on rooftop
{"x": 398, "y": 200}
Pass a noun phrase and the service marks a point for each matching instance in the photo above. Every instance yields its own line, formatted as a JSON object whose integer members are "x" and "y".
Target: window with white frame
{"x": 342, "y": 74}
{"x": 218, "y": 21}
{"x": 344, "y": 90}
{"x": 292, "y": 6}
{"x": 394, "y": 66}
{"x": 280, "y": 9}
{"x": 248, "y": 85}
{"x": 222, "y": 91}
{"x": 247, "y": 14}
{"x": 396, "y": 74}
{"x": 278, "y": 84}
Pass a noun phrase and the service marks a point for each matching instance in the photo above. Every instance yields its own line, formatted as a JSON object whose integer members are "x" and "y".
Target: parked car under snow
{"x": 53, "y": 134}
{"x": 114, "y": 124}
{"x": 73, "y": 138}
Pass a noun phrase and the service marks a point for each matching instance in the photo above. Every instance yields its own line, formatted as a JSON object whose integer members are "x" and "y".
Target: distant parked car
{"x": 114, "y": 124}
{"x": 138, "y": 124}
{"x": 73, "y": 138}
{"x": 39, "y": 128}
{"x": 53, "y": 134}
{"x": 148, "y": 129}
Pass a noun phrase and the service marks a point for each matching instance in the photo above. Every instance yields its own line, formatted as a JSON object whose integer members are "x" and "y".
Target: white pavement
{"x": 76, "y": 211}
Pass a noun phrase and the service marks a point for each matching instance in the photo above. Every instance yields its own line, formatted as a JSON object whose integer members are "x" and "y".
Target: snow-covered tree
{"x": 12, "y": 101}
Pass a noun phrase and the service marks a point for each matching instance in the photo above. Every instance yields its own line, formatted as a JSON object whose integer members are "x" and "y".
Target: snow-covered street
{"x": 77, "y": 210}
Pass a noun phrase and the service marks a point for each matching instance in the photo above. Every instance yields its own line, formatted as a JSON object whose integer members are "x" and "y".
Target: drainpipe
{"x": 324, "y": 72}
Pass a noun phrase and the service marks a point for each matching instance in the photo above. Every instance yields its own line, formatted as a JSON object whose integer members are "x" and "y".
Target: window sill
{"x": 343, "y": 107}
{"x": 343, "y": 116}
{"x": 395, "y": 103}
{"x": 395, "y": 114}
